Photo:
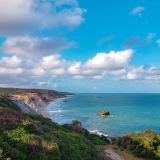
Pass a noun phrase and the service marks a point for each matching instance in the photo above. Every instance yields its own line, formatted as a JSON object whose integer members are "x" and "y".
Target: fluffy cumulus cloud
{"x": 24, "y": 16}
{"x": 25, "y": 24}
{"x": 52, "y": 62}
{"x": 11, "y": 71}
{"x": 112, "y": 63}
{"x": 11, "y": 62}
{"x": 137, "y": 11}
{"x": 35, "y": 46}
{"x": 150, "y": 73}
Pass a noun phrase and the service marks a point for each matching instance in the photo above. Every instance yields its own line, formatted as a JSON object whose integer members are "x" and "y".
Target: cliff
{"x": 31, "y": 100}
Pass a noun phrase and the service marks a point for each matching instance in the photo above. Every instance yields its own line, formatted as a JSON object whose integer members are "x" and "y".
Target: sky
{"x": 79, "y": 46}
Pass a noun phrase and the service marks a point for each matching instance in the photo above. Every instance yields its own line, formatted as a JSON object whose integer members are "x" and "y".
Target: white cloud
{"x": 137, "y": 11}
{"x": 23, "y": 16}
{"x": 53, "y": 66}
{"x": 6, "y": 71}
{"x": 37, "y": 71}
{"x": 75, "y": 68}
{"x": 43, "y": 83}
{"x": 110, "y": 61}
{"x": 151, "y": 73}
{"x": 35, "y": 46}
{"x": 100, "y": 76}
{"x": 59, "y": 71}
{"x": 78, "y": 77}
{"x": 117, "y": 72}
{"x": 52, "y": 62}
{"x": 113, "y": 63}
{"x": 13, "y": 62}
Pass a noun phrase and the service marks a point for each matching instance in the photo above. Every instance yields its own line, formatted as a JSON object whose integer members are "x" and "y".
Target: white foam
{"x": 55, "y": 111}
{"x": 98, "y": 133}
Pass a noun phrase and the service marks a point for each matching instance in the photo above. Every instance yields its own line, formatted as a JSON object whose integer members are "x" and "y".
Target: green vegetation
{"x": 145, "y": 144}
{"x": 28, "y": 136}
{"x": 76, "y": 126}
{"x": 40, "y": 92}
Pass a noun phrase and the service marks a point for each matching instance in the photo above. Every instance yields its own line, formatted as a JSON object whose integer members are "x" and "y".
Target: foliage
{"x": 76, "y": 126}
{"x": 4, "y": 105}
{"x": 76, "y": 123}
{"x": 142, "y": 144}
{"x": 39, "y": 138}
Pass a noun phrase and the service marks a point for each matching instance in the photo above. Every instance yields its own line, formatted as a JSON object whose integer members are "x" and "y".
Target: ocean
{"x": 128, "y": 112}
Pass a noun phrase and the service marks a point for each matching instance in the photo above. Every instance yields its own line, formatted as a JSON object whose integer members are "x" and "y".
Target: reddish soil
{"x": 9, "y": 116}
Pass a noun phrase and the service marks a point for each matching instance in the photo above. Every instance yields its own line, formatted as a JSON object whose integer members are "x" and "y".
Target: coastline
{"x": 47, "y": 114}
{"x": 43, "y": 110}
{"x": 109, "y": 153}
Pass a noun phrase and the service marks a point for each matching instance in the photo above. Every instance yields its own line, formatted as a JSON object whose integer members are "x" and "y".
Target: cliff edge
{"x": 30, "y": 100}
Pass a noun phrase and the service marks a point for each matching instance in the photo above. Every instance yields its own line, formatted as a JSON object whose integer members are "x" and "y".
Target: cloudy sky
{"x": 107, "y": 46}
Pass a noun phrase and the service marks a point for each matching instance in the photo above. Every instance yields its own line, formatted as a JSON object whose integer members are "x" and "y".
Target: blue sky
{"x": 80, "y": 46}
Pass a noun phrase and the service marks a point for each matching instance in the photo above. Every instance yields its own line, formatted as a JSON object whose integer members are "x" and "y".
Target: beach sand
{"x": 43, "y": 110}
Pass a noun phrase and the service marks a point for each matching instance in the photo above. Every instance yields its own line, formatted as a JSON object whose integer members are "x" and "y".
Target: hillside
{"x": 26, "y": 136}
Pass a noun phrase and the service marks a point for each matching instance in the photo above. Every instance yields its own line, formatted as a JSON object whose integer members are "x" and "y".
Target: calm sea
{"x": 129, "y": 112}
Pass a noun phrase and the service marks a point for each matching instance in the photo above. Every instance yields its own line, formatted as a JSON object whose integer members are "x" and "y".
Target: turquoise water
{"x": 129, "y": 112}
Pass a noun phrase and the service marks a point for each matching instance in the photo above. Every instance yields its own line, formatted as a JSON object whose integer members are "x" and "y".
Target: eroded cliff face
{"x": 26, "y": 103}
{"x": 32, "y": 102}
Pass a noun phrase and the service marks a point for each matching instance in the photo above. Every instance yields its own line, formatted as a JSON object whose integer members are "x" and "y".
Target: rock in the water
{"x": 103, "y": 113}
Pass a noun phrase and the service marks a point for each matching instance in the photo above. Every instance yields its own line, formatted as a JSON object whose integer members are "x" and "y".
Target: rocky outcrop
{"x": 103, "y": 113}
{"x": 25, "y": 103}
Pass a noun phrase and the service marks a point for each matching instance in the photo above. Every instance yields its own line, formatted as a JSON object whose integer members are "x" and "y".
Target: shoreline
{"x": 43, "y": 110}
{"x": 109, "y": 153}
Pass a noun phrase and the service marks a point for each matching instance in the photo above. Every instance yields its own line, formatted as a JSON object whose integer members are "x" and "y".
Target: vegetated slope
{"x": 32, "y": 137}
{"x": 144, "y": 145}
{"x": 40, "y": 92}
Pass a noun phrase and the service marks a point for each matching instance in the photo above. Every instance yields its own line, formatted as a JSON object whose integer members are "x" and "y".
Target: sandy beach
{"x": 43, "y": 110}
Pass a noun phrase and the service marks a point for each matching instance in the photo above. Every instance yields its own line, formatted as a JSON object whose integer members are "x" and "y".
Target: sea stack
{"x": 104, "y": 113}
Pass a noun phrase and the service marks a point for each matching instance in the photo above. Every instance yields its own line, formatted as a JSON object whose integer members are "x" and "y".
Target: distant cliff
{"x": 30, "y": 100}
